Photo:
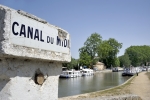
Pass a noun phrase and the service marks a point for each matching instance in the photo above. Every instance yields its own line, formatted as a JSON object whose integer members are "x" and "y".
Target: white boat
{"x": 87, "y": 72}
{"x": 129, "y": 71}
{"x": 70, "y": 74}
{"x": 78, "y": 73}
{"x": 115, "y": 69}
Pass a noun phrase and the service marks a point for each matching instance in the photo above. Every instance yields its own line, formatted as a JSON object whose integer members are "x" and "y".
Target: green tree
{"x": 108, "y": 51}
{"x": 85, "y": 59}
{"x": 115, "y": 45}
{"x": 117, "y": 62}
{"x": 92, "y": 43}
{"x": 90, "y": 47}
{"x": 124, "y": 60}
{"x": 72, "y": 64}
{"x": 103, "y": 50}
{"x": 138, "y": 55}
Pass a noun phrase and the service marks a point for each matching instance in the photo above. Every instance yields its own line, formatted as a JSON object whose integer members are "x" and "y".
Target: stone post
{"x": 31, "y": 55}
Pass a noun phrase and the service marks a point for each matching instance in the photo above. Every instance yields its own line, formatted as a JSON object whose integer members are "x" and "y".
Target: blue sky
{"x": 128, "y": 21}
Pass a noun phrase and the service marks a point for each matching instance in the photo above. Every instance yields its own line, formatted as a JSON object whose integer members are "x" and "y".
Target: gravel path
{"x": 141, "y": 86}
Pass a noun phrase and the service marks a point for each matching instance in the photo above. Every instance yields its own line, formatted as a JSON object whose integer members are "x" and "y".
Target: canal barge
{"x": 74, "y": 73}
{"x": 117, "y": 69}
{"x": 129, "y": 72}
{"x": 70, "y": 74}
{"x": 87, "y": 72}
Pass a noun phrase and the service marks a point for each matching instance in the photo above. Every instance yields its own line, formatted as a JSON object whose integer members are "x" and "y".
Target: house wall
{"x": 99, "y": 66}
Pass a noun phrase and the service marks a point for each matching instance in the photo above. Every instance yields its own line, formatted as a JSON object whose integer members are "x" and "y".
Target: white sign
{"x": 31, "y": 33}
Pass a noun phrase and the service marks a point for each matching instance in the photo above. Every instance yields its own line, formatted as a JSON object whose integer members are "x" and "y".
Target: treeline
{"x": 136, "y": 56}
{"x": 95, "y": 49}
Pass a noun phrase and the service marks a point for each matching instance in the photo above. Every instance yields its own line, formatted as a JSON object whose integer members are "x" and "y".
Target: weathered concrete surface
{"x": 17, "y": 79}
{"x": 30, "y": 67}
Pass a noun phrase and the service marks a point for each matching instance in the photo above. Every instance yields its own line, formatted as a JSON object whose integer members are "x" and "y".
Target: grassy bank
{"x": 118, "y": 90}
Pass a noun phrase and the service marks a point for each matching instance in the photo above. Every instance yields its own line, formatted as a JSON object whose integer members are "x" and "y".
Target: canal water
{"x": 80, "y": 85}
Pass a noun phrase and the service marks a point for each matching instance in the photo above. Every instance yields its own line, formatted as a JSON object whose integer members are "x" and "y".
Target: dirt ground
{"x": 138, "y": 85}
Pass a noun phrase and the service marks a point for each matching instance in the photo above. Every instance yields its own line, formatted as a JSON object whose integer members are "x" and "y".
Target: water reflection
{"x": 99, "y": 81}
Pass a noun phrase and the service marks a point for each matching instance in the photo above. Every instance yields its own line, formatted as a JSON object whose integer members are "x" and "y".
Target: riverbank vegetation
{"x": 96, "y": 49}
{"x": 119, "y": 90}
{"x": 136, "y": 56}
{"x": 139, "y": 55}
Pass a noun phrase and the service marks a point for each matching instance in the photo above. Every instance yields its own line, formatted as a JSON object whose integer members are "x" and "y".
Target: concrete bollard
{"x": 31, "y": 55}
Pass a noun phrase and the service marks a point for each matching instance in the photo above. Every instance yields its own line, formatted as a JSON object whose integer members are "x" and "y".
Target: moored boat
{"x": 115, "y": 69}
{"x": 67, "y": 74}
{"x": 70, "y": 74}
{"x": 129, "y": 72}
{"x": 87, "y": 72}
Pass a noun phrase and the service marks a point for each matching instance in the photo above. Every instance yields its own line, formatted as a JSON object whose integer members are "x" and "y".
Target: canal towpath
{"x": 140, "y": 85}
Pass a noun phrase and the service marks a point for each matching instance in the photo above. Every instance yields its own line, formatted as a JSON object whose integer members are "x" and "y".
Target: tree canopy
{"x": 95, "y": 49}
{"x": 124, "y": 60}
{"x": 108, "y": 51}
{"x": 72, "y": 64}
{"x": 138, "y": 55}
{"x": 90, "y": 49}
{"x": 104, "y": 49}
{"x": 85, "y": 59}
{"x": 92, "y": 43}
